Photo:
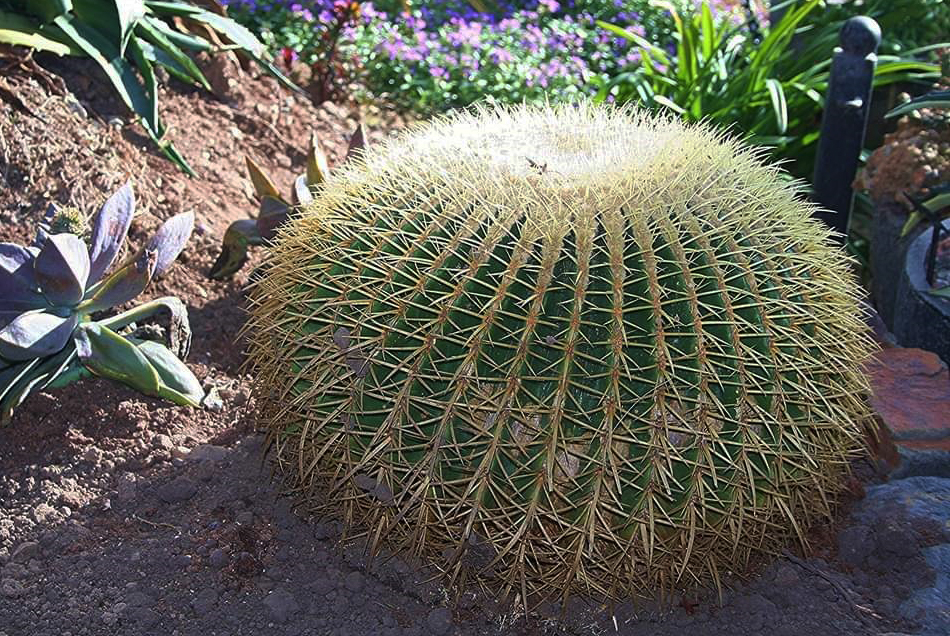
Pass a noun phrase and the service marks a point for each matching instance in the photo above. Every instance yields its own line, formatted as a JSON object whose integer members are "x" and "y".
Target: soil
{"x": 121, "y": 514}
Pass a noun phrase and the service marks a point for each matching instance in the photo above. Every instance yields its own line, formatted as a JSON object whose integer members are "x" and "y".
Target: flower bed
{"x": 442, "y": 55}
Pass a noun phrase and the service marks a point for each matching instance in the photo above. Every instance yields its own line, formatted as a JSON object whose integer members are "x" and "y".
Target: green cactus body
{"x": 611, "y": 352}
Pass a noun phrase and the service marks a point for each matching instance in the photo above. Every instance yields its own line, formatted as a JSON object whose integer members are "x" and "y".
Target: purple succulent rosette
{"x": 53, "y": 291}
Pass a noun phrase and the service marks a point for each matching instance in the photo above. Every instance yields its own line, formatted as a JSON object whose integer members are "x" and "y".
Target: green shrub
{"x": 770, "y": 90}
{"x": 128, "y": 39}
{"x": 55, "y": 292}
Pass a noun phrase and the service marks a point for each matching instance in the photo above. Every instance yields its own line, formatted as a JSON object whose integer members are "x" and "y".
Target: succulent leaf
{"x": 122, "y": 285}
{"x": 357, "y": 144}
{"x": 18, "y": 286}
{"x": 238, "y": 236}
{"x": 272, "y": 215}
{"x": 109, "y": 229}
{"x": 62, "y": 269}
{"x": 263, "y": 186}
{"x": 170, "y": 239}
{"x": 175, "y": 376}
{"x": 302, "y": 194}
{"x": 35, "y": 334}
{"x": 318, "y": 169}
{"x": 107, "y": 354}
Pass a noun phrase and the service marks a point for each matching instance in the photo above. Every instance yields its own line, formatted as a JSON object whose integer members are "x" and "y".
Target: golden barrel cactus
{"x": 565, "y": 350}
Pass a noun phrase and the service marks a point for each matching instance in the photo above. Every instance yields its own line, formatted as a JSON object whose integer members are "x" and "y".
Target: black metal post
{"x": 844, "y": 120}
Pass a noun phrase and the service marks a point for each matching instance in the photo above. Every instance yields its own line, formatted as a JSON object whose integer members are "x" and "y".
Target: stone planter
{"x": 920, "y": 318}
{"x": 888, "y": 251}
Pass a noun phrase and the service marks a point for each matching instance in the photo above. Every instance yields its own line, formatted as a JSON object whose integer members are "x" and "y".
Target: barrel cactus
{"x": 567, "y": 350}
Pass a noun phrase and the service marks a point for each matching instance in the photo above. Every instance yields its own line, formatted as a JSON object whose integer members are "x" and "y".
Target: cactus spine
{"x": 570, "y": 350}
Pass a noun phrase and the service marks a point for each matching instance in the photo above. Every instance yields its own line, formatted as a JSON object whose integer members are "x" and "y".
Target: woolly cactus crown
{"x": 570, "y": 349}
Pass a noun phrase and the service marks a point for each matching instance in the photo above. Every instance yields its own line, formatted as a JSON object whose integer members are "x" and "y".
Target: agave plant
{"x": 274, "y": 209}
{"x": 55, "y": 290}
{"x": 128, "y": 39}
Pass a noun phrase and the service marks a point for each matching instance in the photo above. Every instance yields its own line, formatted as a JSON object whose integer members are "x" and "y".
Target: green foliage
{"x": 55, "y": 291}
{"x": 905, "y": 24}
{"x": 128, "y": 39}
{"x": 770, "y": 90}
{"x": 274, "y": 209}
{"x": 563, "y": 350}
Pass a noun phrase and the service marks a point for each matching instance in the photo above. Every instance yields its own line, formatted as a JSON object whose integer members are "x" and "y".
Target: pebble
{"x": 212, "y": 400}
{"x": 354, "y": 581}
{"x": 163, "y": 442}
{"x": 177, "y": 490}
{"x": 218, "y": 558}
{"x": 10, "y": 588}
{"x": 204, "y": 602}
{"x": 42, "y": 512}
{"x": 25, "y": 551}
{"x": 208, "y": 452}
{"x": 281, "y": 604}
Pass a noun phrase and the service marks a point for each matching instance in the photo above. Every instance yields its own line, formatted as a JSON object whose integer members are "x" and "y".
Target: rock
{"x": 204, "y": 602}
{"x": 163, "y": 442}
{"x": 25, "y": 551}
{"x": 177, "y": 490}
{"x": 911, "y": 396}
{"x": 212, "y": 400}
{"x": 208, "y": 452}
{"x": 896, "y": 539}
{"x": 42, "y": 512}
{"x": 439, "y": 620}
{"x": 126, "y": 488}
{"x": 245, "y": 518}
{"x": 922, "y": 463}
{"x": 354, "y": 581}
{"x": 854, "y": 545}
{"x": 218, "y": 558}
{"x": 10, "y": 588}
{"x": 281, "y": 604}
{"x": 928, "y": 607}
{"x": 923, "y": 501}
{"x": 753, "y": 603}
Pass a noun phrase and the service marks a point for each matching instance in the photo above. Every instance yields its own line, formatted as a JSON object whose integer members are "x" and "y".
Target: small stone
{"x": 439, "y": 620}
{"x": 282, "y": 605}
{"x": 126, "y": 488}
{"x": 116, "y": 122}
{"x": 204, "y": 602}
{"x": 163, "y": 442}
{"x": 92, "y": 455}
{"x": 208, "y": 452}
{"x": 25, "y": 551}
{"x": 212, "y": 400}
{"x": 177, "y": 490}
{"x": 109, "y": 618}
{"x": 218, "y": 558}
{"x": 245, "y": 518}
{"x": 10, "y": 588}
{"x": 354, "y": 581}
{"x": 75, "y": 106}
{"x": 42, "y": 512}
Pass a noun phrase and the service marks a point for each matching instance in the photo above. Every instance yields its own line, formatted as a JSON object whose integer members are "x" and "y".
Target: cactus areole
{"x": 572, "y": 350}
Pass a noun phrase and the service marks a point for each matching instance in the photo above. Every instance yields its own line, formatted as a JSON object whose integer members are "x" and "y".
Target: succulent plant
{"x": 274, "y": 209}
{"x": 563, "y": 350}
{"x": 55, "y": 290}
